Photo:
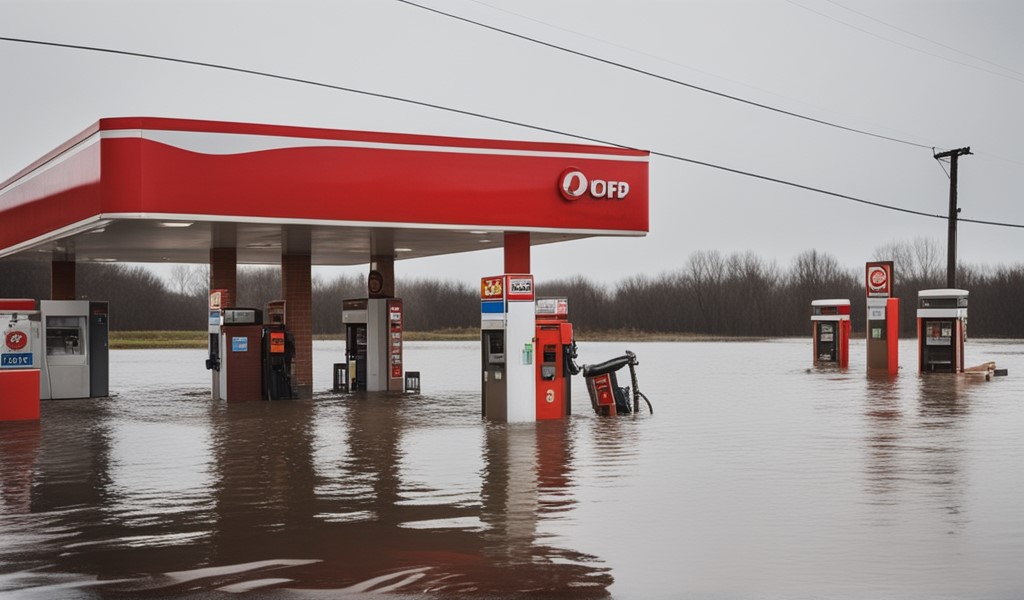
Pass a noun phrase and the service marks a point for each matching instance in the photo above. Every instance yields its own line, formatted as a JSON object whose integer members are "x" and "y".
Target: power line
{"x": 901, "y": 44}
{"x": 663, "y": 77}
{"x": 494, "y": 119}
{"x": 921, "y": 37}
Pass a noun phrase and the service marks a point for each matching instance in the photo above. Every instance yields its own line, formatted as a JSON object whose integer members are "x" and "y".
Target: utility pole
{"x": 952, "y": 155}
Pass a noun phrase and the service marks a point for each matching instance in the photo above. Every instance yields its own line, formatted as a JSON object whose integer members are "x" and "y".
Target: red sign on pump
{"x": 16, "y": 340}
{"x": 519, "y": 287}
{"x": 492, "y": 288}
{"x": 878, "y": 279}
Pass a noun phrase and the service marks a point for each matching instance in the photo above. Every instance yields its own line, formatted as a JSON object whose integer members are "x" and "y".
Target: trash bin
{"x": 412, "y": 381}
{"x": 341, "y": 377}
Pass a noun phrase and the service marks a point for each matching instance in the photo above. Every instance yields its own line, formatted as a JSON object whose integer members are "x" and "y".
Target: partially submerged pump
{"x": 606, "y": 396}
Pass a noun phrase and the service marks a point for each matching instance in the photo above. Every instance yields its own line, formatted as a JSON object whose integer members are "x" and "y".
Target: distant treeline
{"x": 710, "y": 293}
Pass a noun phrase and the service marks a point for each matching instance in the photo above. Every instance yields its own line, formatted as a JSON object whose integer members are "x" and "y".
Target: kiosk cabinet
{"x": 239, "y": 377}
{"x": 941, "y": 330}
{"x": 77, "y": 360}
{"x": 830, "y": 320}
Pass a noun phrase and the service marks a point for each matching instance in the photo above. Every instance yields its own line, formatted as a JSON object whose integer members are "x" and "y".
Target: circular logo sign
{"x": 375, "y": 283}
{"x": 572, "y": 184}
{"x": 16, "y": 340}
{"x": 878, "y": 277}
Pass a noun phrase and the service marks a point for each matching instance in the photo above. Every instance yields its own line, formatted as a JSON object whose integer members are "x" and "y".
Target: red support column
{"x": 62, "y": 280}
{"x": 517, "y": 252}
{"x": 297, "y": 283}
{"x": 224, "y": 274}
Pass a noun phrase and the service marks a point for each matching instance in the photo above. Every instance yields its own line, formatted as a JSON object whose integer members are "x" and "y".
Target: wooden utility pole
{"x": 952, "y": 155}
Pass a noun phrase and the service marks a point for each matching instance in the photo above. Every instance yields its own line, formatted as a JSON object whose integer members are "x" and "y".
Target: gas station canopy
{"x": 148, "y": 189}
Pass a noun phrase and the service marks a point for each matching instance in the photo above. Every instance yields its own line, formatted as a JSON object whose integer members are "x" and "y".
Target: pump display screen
{"x": 496, "y": 348}
{"x": 64, "y": 335}
{"x": 939, "y": 333}
{"x": 826, "y": 333}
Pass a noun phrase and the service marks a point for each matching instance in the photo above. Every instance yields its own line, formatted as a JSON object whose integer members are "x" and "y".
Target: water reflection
{"x": 19, "y": 449}
{"x": 884, "y": 437}
{"x": 748, "y": 482}
{"x": 915, "y": 449}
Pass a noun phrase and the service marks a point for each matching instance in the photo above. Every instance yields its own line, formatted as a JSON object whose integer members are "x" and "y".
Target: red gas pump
{"x": 554, "y": 345}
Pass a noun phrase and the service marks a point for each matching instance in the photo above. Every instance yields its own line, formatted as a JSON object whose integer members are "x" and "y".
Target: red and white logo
{"x": 16, "y": 340}
{"x": 573, "y": 185}
{"x": 878, "y": 280}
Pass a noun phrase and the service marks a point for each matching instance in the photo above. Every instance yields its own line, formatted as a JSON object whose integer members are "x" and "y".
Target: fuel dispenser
{"x": 883, "y": 319}
{"x": 19, "y": 360}
{"x": 240, "y": 373}
{"x": 278, "y": 350}
{"x": 555, "y": 353}
{"x": 76, "y": 335}
{"x": 373, "y": 343}
{"x": 607, "y": 398}
{"x": 213, "y": 341}
{"x": 941, "y": 330}
{"x": 830, "y": 332}
{"x": 508, "y": 331}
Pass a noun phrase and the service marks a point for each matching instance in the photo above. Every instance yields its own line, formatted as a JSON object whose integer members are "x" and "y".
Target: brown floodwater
{"x": 756, "y": 477}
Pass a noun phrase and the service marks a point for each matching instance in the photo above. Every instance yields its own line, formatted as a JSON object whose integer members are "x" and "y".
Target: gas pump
{"x": 607, "y": 398}
{"x": 508, "y": 330}
{"x": 830, "y": 332}
{"x": 373, "y": 343}
{"x": 555, "y": 351}
{"x": 883, "y": 319}
{"x": 240, "y": 356}
{"x": 941, "y": 330}
{"x": 20, "y": 326}
{"x": 278, "y": 350}
{"x": 213, "y": 343}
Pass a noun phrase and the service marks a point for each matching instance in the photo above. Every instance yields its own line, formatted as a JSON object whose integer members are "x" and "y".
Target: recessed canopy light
{"x": 403, "y": 249}
{"x": 479, "y": 232}
{"x": 176, "y": 224}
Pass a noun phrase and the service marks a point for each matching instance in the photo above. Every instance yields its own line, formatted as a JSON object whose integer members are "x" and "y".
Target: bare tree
{"x": 190, "y": 280}
{"x": 920, "y": 260}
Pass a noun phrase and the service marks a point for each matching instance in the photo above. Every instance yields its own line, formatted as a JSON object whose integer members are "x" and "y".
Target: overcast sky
{"x": 930, "y": 72}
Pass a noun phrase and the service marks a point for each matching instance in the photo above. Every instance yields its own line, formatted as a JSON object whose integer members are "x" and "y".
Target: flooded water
{"x": 756, "y": 477}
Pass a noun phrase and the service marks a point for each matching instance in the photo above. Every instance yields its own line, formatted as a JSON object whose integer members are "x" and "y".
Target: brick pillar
{"x": 517, "y": 252}
{"x": 297, "y": 284}
{"x": 62, "y": 280}
{"x": 224, "y": 273}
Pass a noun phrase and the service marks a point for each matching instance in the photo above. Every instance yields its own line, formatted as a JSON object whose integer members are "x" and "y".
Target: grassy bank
{"x": 198, "y": 339}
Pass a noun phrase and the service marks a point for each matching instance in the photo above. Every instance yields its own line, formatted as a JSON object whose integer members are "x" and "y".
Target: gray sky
{"x": 871, "y": 68}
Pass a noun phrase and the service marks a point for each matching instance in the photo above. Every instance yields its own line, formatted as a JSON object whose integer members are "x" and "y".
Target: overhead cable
{"x": 664, "y": 77}
{"x": 494, "y": 119}
{"x": 901, "y": 44}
